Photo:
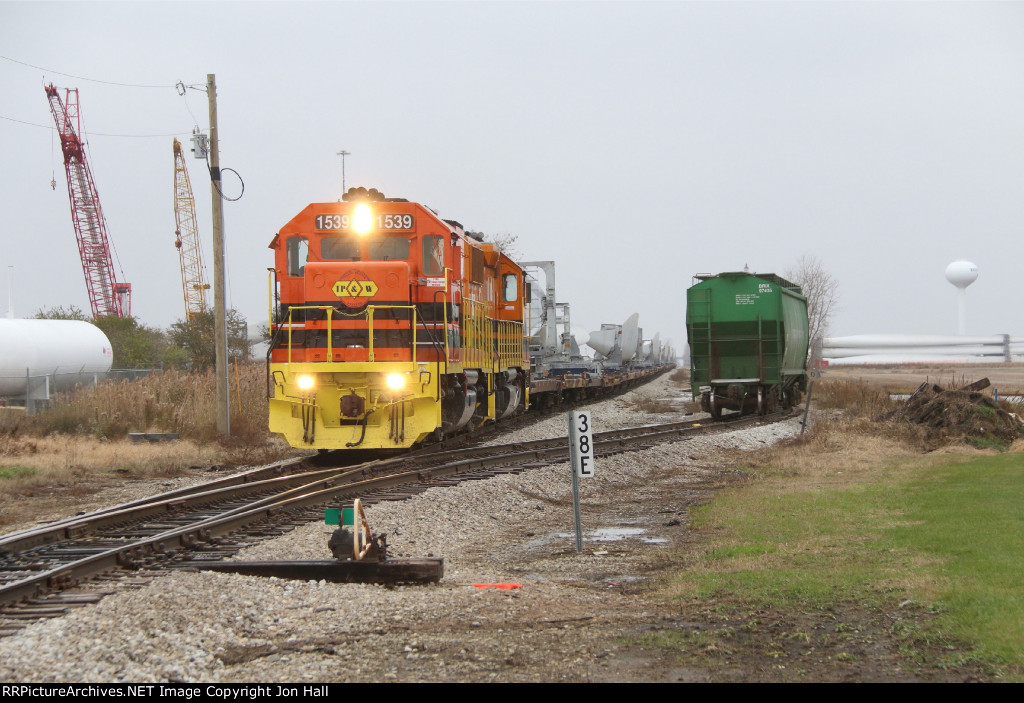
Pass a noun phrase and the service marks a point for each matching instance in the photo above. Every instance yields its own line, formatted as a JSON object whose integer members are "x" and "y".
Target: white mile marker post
{"x": 581, "y": 457}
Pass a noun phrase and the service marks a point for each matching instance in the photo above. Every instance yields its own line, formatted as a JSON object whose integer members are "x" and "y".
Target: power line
{"x": 98, "y": 134}
{"x": 83, "y": 78}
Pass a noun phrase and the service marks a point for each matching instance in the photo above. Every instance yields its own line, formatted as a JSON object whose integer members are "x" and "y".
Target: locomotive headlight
{"x": 362, "y": 218}
{"x": 395, "y": 381}
{"x": 305, "y": 382}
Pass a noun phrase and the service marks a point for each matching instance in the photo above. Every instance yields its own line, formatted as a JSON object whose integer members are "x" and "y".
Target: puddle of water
{"x": 613, "y": 534}
{"x": 604, "y": 534}
{"x": 622, "y": 579}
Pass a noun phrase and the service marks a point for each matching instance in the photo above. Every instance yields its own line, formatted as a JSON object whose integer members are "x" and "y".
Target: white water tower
{"x": 962, "y": 274}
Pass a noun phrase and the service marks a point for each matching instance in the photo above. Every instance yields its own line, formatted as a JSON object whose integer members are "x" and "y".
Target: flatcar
{"x": 748, "y": 342}
{"x": 390, "y": 326}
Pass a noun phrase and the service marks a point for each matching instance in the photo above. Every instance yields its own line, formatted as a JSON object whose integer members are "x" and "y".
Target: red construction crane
{"x": 106, "y": 295}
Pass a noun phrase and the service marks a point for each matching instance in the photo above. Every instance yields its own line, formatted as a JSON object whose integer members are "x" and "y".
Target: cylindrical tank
{"x": 66, "y": 351}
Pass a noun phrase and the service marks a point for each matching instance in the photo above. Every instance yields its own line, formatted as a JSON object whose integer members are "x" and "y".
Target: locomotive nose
{"x": 356, "y": 284}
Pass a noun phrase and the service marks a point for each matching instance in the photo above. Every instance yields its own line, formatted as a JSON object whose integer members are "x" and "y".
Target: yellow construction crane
{"x": 193, "y": 280}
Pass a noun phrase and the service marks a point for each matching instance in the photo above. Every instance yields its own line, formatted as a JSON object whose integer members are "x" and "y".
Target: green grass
{"x": 945, "y": 533}
{"x": 16, "y": 471}
{"x": 969, "y": 518}
{"x": 987, "y": 443}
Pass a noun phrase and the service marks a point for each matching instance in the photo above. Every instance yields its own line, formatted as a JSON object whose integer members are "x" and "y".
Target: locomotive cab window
{"x": 339, "y": 249}
{"x": 510, "y": 288}
{"x": 433, "y": 255}
{"x": 389, "y": 249}
{"x": 298, "y": 255}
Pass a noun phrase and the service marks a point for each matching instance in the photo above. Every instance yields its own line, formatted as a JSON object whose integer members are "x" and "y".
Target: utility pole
{"x": 219, "y": 314}
{"x": 343, "y": 154}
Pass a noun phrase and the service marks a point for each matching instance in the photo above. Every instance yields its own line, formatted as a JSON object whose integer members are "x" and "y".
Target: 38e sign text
{"x": 581, "y": 443}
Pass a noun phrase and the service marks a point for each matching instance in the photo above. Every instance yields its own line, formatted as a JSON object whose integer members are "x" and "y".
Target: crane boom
{"x": 193, "y": 279}
{"x": 107, "y": 296}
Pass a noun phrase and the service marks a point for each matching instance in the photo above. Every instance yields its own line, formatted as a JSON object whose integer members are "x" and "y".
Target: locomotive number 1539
{"x": 389, "y": 221}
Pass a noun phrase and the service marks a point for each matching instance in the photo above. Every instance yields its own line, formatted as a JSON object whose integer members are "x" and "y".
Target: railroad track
{"x": 261, "y": 478}
{"x": 46, "y": 571}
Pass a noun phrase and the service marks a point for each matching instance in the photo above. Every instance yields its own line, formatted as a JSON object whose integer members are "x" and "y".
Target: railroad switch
{"x": 360, "y": 557}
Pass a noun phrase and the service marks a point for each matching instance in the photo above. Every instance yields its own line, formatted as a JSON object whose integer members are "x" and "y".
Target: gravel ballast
{"x": 564, "y": 624}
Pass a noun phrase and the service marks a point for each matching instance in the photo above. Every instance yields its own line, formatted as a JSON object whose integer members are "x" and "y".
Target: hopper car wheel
{"x": 716, "y": 412}
{"x": 793, "y": 396}
{"x": 761, "y": 406}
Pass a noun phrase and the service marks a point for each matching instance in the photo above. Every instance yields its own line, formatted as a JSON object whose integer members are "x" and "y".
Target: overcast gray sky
{"x": 633, "y": 143}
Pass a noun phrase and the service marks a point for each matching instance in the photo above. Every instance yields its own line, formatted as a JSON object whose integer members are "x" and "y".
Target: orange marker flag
{"x": 506, "y": 586}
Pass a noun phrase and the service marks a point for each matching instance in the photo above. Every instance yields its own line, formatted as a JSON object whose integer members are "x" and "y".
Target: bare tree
{"x": 822, "y": 292}
{"x": 507, "y": 243}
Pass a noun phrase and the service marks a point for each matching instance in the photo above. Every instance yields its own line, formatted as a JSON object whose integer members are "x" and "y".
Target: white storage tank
{"x": 65, "y": 352}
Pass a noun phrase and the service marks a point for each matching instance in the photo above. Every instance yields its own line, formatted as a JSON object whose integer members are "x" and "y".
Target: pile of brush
{"x": 964, "y": 411}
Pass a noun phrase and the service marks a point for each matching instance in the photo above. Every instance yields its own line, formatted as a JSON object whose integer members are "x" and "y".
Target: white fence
{"x": 921, "y": 349}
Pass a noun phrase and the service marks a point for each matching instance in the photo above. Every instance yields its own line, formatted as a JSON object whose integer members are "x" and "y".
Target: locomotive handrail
{"x": 444, "y": 317}
{"x": 370, "y": 310}
{"x": 368, "y": 313}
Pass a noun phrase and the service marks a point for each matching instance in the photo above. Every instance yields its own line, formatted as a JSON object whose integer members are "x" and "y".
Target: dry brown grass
{"x": 837, "y": 446}
{"x": 855, "y": 434}
{"x": 57, "y": 475}
{"x": 59, "y": 459}
{"x": 652, "y": 405}
{"x": 78, "y": 447}
{"x": 681, "y": 376}
{"x": 172, "y": 401}
{"x": 856, "y": 398}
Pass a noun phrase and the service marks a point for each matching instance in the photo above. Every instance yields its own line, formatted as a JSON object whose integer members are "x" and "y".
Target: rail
{"x": 139, "y": 546}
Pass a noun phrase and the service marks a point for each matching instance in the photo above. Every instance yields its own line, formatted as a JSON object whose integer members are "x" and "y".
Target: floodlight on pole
{"x": 343, "y": 154}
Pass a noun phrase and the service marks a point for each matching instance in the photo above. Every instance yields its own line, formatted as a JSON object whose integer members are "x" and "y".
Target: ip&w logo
{"x": 354, "y": 288}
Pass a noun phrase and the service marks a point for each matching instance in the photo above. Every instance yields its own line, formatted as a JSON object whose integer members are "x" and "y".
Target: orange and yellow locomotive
{"x": 390, "y": 326}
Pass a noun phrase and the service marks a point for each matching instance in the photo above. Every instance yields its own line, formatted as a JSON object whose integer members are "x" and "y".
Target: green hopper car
{"x": 748, "y": 342}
